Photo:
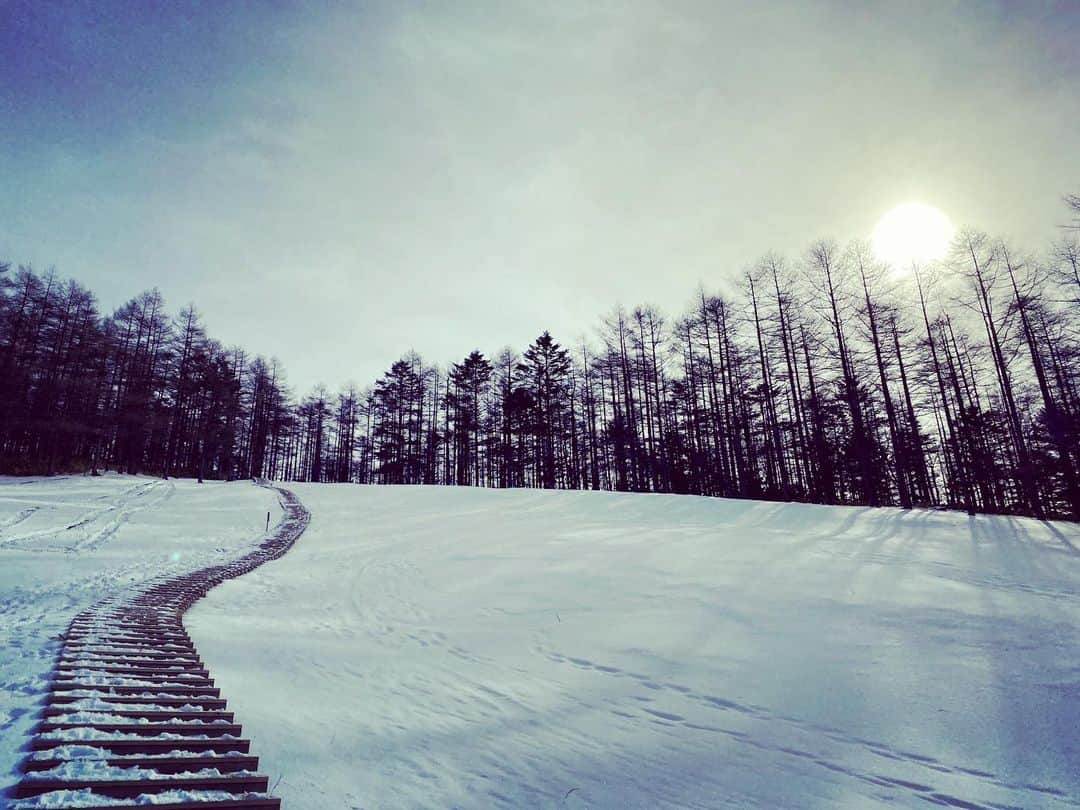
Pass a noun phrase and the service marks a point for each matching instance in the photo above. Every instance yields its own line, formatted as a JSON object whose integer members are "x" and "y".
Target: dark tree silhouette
{"x": 826, "y": 380}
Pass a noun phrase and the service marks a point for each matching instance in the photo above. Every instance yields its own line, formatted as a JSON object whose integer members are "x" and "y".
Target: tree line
{"x": 828, "y": 379}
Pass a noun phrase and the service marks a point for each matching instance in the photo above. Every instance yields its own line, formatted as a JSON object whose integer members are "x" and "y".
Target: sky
{"x": 335, "y": 184}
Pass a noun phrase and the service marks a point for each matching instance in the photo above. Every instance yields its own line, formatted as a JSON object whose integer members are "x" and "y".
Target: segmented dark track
{"x": 129, "y": 689}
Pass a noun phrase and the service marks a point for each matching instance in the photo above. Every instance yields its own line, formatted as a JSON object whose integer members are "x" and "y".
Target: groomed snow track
{"x": 133, "y": 717}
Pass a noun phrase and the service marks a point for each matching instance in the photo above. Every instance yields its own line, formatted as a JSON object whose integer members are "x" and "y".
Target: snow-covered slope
{"x": 67, "y": 542}
{"x": 474, "y": 649}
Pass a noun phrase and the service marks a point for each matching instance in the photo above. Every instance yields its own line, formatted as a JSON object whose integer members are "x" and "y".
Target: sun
{"x": 912, "y": 233}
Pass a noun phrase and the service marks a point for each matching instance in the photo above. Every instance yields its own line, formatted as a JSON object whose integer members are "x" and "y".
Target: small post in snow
{"x": 268, "y": 521}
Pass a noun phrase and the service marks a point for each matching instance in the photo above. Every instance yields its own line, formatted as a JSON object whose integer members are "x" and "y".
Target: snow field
{"x": 68, "y": 542}
{"x": 430, "y": 647}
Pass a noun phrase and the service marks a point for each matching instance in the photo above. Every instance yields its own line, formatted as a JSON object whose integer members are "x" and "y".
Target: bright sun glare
{"x": 912, "y": 232}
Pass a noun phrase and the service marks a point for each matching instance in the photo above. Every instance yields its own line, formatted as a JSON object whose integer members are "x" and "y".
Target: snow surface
{"x": 99, "y": 769}
{"x": 431, "y": 647}
{"x": 86, "y": 798}
{"x": 67, "y": 542}
{"x": 68, "y": 752}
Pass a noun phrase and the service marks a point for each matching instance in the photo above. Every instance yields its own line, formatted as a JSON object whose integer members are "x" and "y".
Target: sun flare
{"x": 912, "y": 232}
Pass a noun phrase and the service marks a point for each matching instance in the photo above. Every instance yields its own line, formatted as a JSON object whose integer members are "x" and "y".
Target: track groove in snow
{"x": 95, "y": 525}
{"x": 84, "y": 755}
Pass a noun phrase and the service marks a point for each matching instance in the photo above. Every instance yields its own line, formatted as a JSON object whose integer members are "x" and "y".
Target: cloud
{"x": 382, "y": 177}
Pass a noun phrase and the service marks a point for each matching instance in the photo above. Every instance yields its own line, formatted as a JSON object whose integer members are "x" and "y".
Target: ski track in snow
{"x": 113, "y": 533}
{"x": 93, "y": 526}
{"x": 18, "y": 518}
{"x": 462, "y": 648}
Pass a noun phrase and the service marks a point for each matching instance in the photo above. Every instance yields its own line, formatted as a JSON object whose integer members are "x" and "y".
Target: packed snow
{"x": 86, "y": 798}
{"x": 68, "y": 542}
{"x": 98, "y": 705}
{"x": 436, "y": 647}
{"x": 100, "y": 770}
{"x": 66, "y": 752}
